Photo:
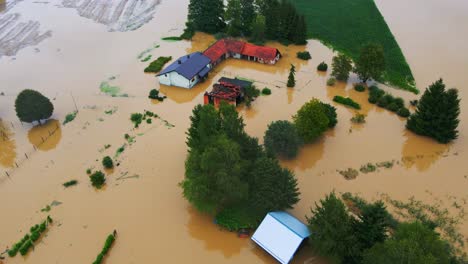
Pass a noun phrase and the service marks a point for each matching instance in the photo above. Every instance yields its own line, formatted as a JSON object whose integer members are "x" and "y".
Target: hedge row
{"x": 388, "y": 101}
{"x": 346, "y": 101}
{"x": 109, "y": 241}
{"x": 28, "y": 240}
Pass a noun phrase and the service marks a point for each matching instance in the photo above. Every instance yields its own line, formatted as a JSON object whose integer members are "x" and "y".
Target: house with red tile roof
{"x": 230, "y": 48}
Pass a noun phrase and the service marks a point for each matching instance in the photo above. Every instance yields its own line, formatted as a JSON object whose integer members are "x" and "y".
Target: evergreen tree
{"x": 258, "y": 29}
{"x": 372, "y": 226}
{"x": 341, "y": 66}
{"x": 32, "y": 106}
{"x": 206, "y": 16}
{"x": 291, "y": 77}
{"x": 248, "y": 16}
{"x": 271, "y": 11}
{"x": 437, "y": 113}
{"x": 272, "y": 188}
{"x": 371, "y": 62}
{"x": 233, "y": 17}
{"x": 332, "y": 228}
{"x": 300, "y": 34}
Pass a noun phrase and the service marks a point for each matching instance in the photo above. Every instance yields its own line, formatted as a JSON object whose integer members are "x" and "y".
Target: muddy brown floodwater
{"x": 142, "y": 199}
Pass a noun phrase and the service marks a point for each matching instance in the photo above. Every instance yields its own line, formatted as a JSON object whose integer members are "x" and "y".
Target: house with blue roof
{"x": 280, "y": 234}
{"x": 186, "y": 71}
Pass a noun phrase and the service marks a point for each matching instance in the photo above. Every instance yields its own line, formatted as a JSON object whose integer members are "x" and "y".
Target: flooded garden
{"x": 88, "y": 58}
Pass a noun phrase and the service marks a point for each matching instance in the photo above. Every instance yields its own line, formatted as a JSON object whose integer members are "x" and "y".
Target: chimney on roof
{"x": 188, "y": 56}
{"x": 179, "y": 62}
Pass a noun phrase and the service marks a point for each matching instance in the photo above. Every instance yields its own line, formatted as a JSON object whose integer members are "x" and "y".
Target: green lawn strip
{"x": 157, "y": 64}
{"x": 347, "y": 25}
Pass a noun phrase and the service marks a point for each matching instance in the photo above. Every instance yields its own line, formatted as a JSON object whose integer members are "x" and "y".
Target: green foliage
{"x": 224, "y": 170}
{"x": 370, "y": 63}
{"x": 403, "y": 112}
{"x": 411, "y": 243}
{"x": 311, "y": 120}
{"x": 250, "y": 93}
{"x": 157, "y": 64}
{"x": 333, "y": 229}
{"x": 437, "y": 113}
{"x": 349, "y": 174}
{"x": 32, "y": 106}
{"x": 107, "y": 162}
{"x": 282, "y": 139}
{"x": 266, "y": 91}
{"x": 206, "y": 16}
{"x": 346, "y": 101}
{"x": 347, "y": 25}
{"x": 154, "y": 94}
{"x": 147, "y": 58}
{"x": 233, "y": 18}
{"x": 136, "y": 118}
{"x": 70, "y": 117}
{"x": 172, "y": 38}
{"x": 148, "y": 121}
{"x": 330, "y": 111}
{"x": 331, "y": 81}
{"x": 258, "y": 29}
{"x": 358, "y": 118}
{"x": 359, "y": 88}
{"x": 107, "y": 245}
{"x": 291, "y": 77}
{"x": 70, "y": 183}
{"x": 28, "y": 240}
{"x": 303, "y": 55}
{"x": 88, "y": 171}
{"x": 341, "y": 66}
{"x": 98, "y": 179}
{"x": 322, "y": 66}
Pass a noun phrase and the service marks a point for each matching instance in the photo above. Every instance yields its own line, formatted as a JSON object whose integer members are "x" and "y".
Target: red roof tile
{"x": 223, "y": 46}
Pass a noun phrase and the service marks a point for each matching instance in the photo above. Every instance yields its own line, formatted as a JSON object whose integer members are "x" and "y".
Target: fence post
{"x": 26, "y": 155}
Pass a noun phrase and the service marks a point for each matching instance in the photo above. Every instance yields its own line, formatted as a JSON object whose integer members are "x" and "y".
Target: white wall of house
{"x": 175, "y": 79}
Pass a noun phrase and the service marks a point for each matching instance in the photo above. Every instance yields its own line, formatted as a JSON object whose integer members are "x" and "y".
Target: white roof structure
{"x": 280, "y": 234}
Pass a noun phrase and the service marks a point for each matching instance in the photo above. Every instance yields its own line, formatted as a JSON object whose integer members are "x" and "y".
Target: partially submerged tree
{"x": 233, "y": 17}
{"x": 206, "y": 16}
{"x": 371, "y": 62}
{"x": 248, "y": 16}
{"x": 291, "y": 77}
{"x": 258, "y": 29}
{"x": 32, "y": 106}
{"x": 311, "y": 120}
{"x": 341, "y": 66}
{"x": 437, "y": 113}
{"x": 282, "y": 139}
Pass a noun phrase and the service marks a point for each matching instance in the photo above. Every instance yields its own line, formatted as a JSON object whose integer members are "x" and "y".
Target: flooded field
{"x": 142, "y": 199}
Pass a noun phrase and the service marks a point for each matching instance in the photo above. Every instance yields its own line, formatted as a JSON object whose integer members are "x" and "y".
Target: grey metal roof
{"x": 189, "y": 65}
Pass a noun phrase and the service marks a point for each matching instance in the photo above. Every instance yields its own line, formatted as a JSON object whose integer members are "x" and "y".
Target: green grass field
{"x": 347, "y": 25}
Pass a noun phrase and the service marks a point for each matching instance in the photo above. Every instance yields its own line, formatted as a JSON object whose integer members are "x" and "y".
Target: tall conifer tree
{"x": 437, "y": 113}
{"x": 206, "y": 15}
{"x": 291, "y": 77}
{"x": 248, "y": 16}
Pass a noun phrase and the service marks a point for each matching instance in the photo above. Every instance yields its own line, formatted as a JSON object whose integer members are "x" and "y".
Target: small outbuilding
{"x": 281, "y": 234}
{"x": 231, "y": 91}
{"x": 186, "y": 71}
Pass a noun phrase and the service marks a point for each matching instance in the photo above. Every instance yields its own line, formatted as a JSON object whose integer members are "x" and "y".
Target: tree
{"x": 371, "y": 62}
{"x": 372, "y": 226}
{"x": 233, "y": 17}
{"x": 281, "y": 138}
{"x": 411, "y": 243}
{"x": 107, "y": 162}
{"x": 98, "y": 179}
{"x": 436, "y": 115}
{"x": 330, "y": 111}
{"x": 341, "y": 66}
{"x": 258, "y": 29}
{"x": 311, "y": 120}
{"x": 32, "y": 106}
{"x": 332, "y": 228}
{"x": 206, "y": 16}
{"x": 247, "y": 16}
{"x": 300, "y": 33}
{"x": 213, "y": 176}
{"x": 291, "y": 77}
{"x": 272, "y": 188}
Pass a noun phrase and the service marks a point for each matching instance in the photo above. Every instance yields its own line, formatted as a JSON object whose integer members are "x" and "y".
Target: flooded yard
{"x": 142, "y": 199}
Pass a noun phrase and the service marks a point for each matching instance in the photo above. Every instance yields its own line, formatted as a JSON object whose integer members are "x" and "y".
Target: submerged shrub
{"x": 70, "y": 183}
{"x": 322, "y": 66}
{"x": 393, "y": 107}
{"x": 266, "y": 91}
{"x": 136, "y": 118}
{"x": 70, "y": 117}
{"x": 331, "y": 81}
{"x": 304, "y": 55}
{"x": 107, "y": 162}
{"x": 359, "y": 88}
{"x": 358, "y": 118}
{"x": 346, "y": 101}
{"x": 157, "y": 64}
{"x": 98, "y": 179}
{"x": 369, "y": 167}
{"x": 403, "y": 112}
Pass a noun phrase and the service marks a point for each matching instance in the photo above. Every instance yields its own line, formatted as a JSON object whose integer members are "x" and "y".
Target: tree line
{"x": 257, "y": 20}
